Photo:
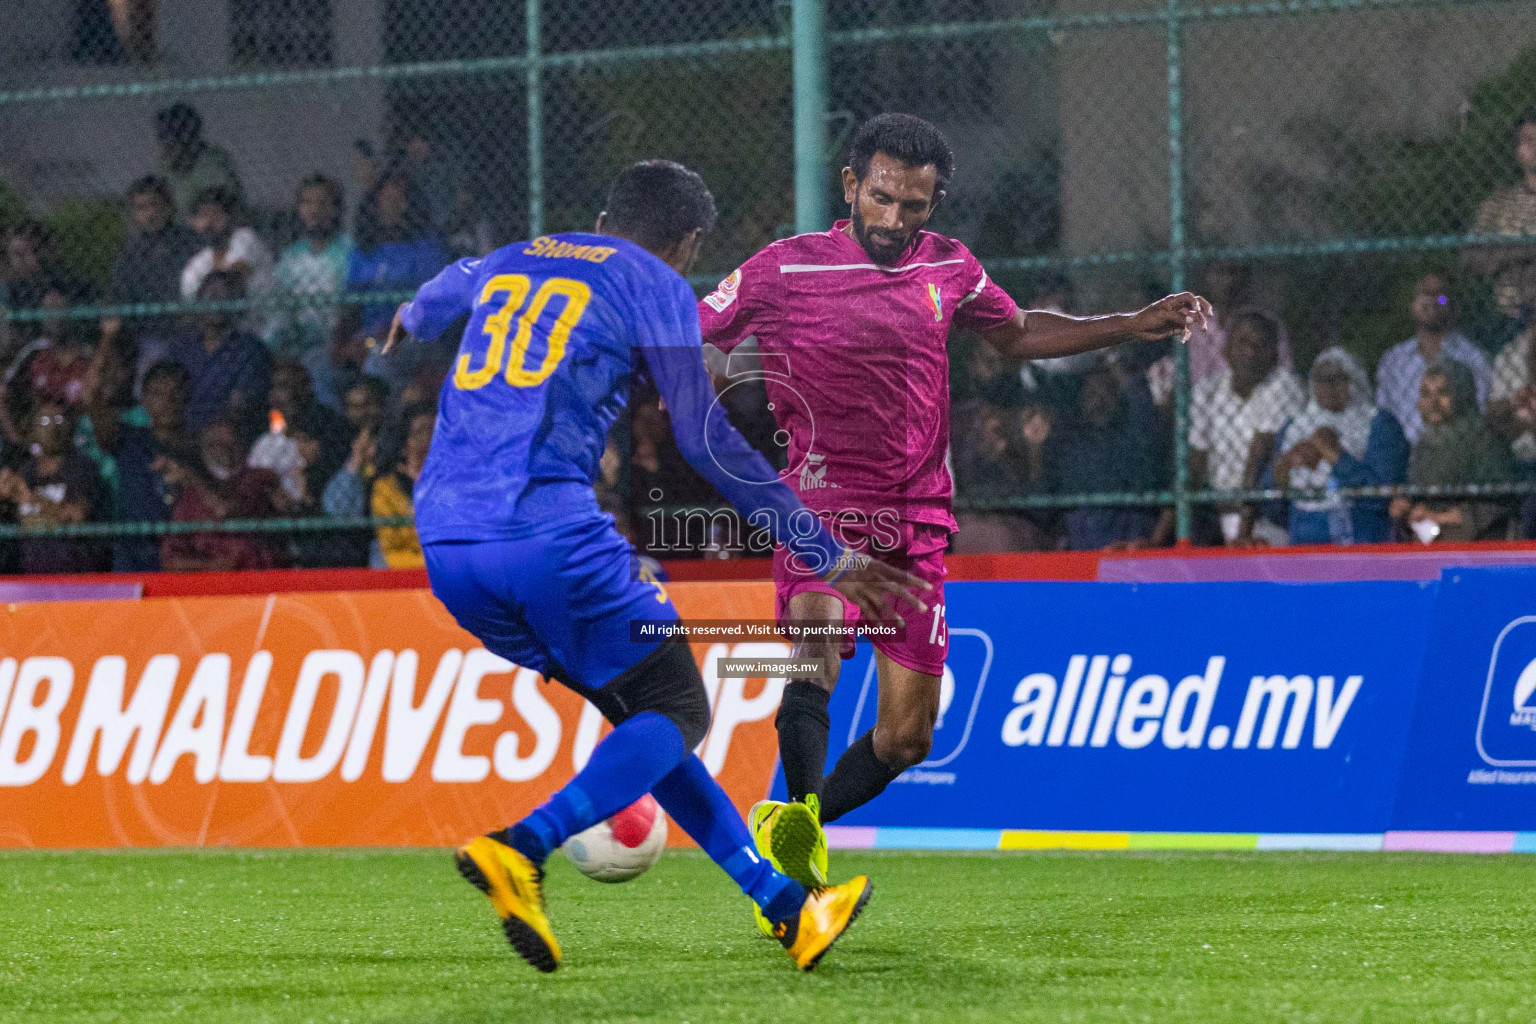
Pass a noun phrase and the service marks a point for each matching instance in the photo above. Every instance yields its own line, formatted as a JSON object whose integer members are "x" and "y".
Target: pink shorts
{"x": 924, "y": 643}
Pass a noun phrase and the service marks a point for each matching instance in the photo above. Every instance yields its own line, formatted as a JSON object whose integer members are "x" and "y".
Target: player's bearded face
{"x": 884, "y": 245}
{"x": 890, "y": 205}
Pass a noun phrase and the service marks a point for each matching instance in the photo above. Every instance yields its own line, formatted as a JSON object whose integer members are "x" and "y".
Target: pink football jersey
{"x": 855, "y": 364}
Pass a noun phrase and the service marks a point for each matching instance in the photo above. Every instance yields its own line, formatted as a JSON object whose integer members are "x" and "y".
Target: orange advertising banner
{"x": 335, "y": 719}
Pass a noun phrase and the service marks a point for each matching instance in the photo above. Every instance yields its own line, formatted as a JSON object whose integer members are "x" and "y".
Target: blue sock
{"x": 700, "y": 806}
{"x": 623, "y": 768}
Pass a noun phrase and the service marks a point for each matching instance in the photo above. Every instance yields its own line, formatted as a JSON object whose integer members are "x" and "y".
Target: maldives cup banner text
{"x": 312, "y": 719}
{"x": 1224, "y": 707}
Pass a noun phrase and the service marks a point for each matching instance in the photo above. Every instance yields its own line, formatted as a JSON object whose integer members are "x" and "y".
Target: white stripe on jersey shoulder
{"x": 974, "y": 291}
{"x": 814, "y": 268}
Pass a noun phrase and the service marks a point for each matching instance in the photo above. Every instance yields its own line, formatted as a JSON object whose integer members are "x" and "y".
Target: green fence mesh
{"x": 1334, "y": 174}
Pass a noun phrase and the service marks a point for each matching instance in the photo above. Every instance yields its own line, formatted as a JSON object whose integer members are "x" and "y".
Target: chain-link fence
{"x": 1341, "y": 176}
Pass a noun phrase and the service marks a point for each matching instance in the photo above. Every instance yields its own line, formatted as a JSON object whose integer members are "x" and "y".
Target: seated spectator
{"x": 986, "y": 457}
{"x": 433, "y": 177}
{"x": 311, "y": 272}
{"x": 659, "y": 476}
{"x": 231, "y": 370}
{"x": 1435, "y": 340}
{"x": 992, "y": 378}
{"x": 292, "y": 402}
{"x": 217, "y": 488}
{"x": 33, "y": 268}
{"x": 148, "y": 269}
{"x": 143, "y": 494}
{"x": 346, "y": 494}
{"x": 397, "y": 248}
{"x": 1512, "y": 414}
{"x": 1104, "y": 449}
{"x": 338, "y": 365}
{"x": 234, "y": 250}
{"x": 188, "y": 162}
{"x": 1511, "y": 268}
{"x": 98, "y": 431}
{"x": 57, "y": 365}
{"x": 55, "y": 486}
{"x": 998, "y": 453}
{"x": 1228, "y": 287}
{"x": 468, "y": 230}
{"x": 1455, "y": 448}
{"x": 320, "y": 457}
{"x": 1340, "y": 437}
{"x": 1234, "y": 415}
{"x": 365, "y": 404}
{"x": 392, "y": 492}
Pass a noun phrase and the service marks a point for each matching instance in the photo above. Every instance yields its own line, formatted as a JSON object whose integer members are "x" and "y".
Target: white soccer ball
{"x": 623, "y": 847}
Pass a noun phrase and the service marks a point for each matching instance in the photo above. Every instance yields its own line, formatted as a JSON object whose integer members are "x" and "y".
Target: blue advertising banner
{"x": 1222, "y": 707}
{"x": 1471, "y": 755}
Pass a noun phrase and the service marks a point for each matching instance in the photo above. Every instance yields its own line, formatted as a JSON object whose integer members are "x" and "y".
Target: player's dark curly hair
{"x": 658, "y": 203}
{"x": 903, "y": 137}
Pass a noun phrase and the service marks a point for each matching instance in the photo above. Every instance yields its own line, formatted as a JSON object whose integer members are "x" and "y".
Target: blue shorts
{"x": 559, "y": 601}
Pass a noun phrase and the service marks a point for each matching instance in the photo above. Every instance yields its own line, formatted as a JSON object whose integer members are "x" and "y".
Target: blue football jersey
{"x": 543, "y": 371}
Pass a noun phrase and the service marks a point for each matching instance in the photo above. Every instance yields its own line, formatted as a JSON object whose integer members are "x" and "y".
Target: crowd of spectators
{"x": 1446, "y": 409}
{"x": 279, "y": 408}
{"x": 269, "y": 408}
{"x": 1440, "y": 413}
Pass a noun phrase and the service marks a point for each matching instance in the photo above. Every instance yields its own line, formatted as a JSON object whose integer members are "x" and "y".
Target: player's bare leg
{"x": 901, "y": 738}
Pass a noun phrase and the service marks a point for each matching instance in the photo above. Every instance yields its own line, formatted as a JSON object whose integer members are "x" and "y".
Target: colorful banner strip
{"x": 842, "y": 837}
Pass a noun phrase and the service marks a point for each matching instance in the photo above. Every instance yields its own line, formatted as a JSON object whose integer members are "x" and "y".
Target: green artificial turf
{"x": 398, "y": 936}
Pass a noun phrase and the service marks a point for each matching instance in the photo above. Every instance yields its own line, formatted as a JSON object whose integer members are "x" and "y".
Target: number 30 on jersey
{"x": 511, "y": 291}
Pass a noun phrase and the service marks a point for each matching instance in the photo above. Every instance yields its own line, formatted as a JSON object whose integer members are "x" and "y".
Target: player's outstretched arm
{"x": 1040, "y": 334}
{"x": 438, "y": 303}
{"x": 397, "y": 332}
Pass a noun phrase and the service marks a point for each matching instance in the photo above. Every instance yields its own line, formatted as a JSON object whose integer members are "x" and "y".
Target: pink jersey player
{"x": 857, "y": 374}
{"x": 852, "y": 324}
{"x": 855, "y": 363}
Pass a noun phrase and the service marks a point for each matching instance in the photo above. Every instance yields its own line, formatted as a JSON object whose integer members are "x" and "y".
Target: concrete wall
{"x": 56, "y": 150}
{"x": 1268, "y": 105}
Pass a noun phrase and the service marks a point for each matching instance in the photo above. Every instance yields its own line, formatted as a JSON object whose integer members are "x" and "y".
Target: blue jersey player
{"x": 520, "y": 554}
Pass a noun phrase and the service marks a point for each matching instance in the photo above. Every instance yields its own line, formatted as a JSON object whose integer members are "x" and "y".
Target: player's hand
{"x": 879, "y": 590}
{"x": 1175, "y": 315}
{"x": 396, "y": 331}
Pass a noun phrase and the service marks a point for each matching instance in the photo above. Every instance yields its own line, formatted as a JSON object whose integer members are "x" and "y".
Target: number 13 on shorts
{"x": 939, "y": 632}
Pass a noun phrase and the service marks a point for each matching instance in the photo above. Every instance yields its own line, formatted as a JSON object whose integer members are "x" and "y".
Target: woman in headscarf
{"x": 1343, "y": 439}
{"x": 1456, "y": 448}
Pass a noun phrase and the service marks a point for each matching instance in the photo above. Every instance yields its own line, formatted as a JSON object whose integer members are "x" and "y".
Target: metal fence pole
{"x": 534, "y": 71}
{"x": 809, "y": 37}
{"x": 1177, "y": 254}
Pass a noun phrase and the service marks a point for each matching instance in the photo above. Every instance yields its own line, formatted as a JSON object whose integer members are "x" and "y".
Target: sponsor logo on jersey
{"x": 813, "y": 474}
{"x": 721, "y": 298}
{"x": 935, "y": 300}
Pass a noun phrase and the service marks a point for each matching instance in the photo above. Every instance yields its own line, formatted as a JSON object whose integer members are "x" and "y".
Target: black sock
{"x": 859, "y": 777}
{"x": 803, "y": 722}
